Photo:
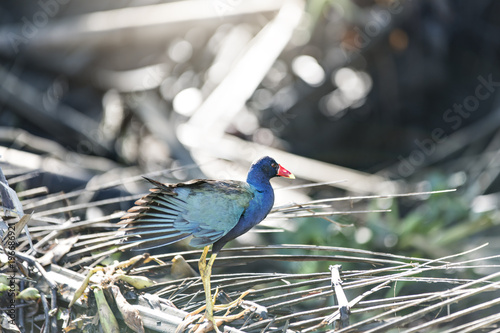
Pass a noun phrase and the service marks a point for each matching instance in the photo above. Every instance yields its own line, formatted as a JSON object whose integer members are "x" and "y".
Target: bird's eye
{"x": 274, "y": 165}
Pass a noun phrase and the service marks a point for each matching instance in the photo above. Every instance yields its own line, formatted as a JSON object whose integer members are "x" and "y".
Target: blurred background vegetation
{"x": 402, "y": 93}
{"x": 406, "y": 90}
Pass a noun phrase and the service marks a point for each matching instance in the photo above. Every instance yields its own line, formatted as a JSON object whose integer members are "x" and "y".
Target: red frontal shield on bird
{"x": 282, "y": 172}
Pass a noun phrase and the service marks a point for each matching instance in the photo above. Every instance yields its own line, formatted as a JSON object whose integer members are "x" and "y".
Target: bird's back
{"x": 204, "y": 209}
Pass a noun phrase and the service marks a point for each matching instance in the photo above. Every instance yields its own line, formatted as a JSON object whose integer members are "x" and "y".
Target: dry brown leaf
{"x": 55, "y": 254}
{"x": 131, "y": 315}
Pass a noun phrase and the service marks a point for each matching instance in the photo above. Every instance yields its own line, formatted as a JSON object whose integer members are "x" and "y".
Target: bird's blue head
{"x": 266, "y": 168}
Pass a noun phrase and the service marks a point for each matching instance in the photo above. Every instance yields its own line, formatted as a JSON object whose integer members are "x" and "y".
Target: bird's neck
{"x": 260, "y": 182}
{"x": 262, "y": 201}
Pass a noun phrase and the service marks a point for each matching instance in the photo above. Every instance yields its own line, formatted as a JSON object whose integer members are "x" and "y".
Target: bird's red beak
{"x": 282, "y": 172}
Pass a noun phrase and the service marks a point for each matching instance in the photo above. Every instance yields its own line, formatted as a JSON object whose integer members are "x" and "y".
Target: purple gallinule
{"x": 213, "y": 212}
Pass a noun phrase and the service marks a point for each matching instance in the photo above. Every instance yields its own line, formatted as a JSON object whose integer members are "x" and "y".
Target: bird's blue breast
{"x": 256, "y": 211}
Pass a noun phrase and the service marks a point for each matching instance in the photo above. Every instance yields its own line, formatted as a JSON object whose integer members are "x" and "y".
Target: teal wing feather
{"x": 204, "y": 209}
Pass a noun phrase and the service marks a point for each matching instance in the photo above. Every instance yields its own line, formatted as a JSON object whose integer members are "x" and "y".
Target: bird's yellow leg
{"x": 202, "y": 266}
{"x": 206, "y": 272}
{"x": 233, "y": 304}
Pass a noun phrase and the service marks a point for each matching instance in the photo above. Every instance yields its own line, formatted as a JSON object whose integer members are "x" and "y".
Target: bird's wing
{"x": 204, "y": 209}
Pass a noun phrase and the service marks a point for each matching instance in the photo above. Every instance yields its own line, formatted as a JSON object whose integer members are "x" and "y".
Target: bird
{"x": 212, "y": 212}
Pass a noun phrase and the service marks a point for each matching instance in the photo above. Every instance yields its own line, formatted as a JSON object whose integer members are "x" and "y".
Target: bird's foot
{"x": 208, "y": 321}
{"x": 212, "y": 307}
{"x": 205, "y": 325}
